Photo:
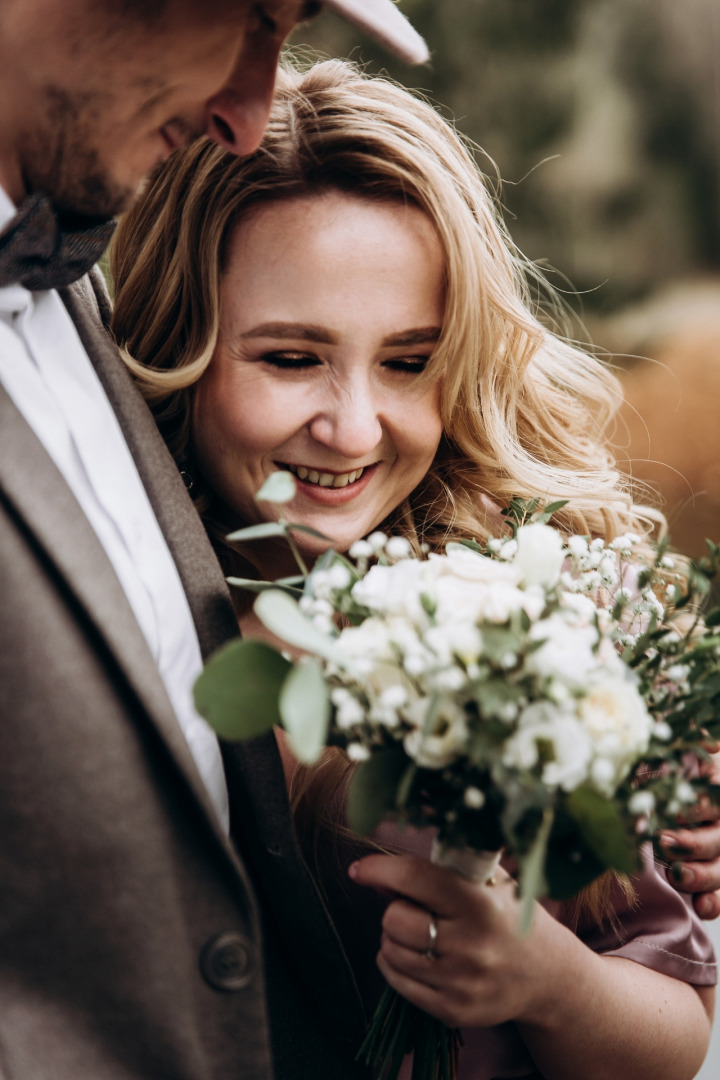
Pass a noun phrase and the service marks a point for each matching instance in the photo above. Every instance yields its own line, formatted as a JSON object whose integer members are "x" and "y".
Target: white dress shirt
{"x": 46, "y": 371}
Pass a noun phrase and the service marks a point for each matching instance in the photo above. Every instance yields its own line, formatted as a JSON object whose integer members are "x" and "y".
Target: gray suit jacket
{"x": 135, "y": 939}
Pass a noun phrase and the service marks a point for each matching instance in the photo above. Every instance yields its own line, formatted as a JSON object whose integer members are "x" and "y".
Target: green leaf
{"x": 373, "y": 789}
{"x": 238, "y": 691}
{"x": 286, "y": 585}
{"x": 282, "y": 616}
{"x": 533, "y": 883}
{"x": 305, "y": 710}
{"x": 310, "y": 531}
{"x": 280, "y": 487}
{"x": 259, "y": 532}
{"x": 542, "y": 516}
{"x": 602, "y": 828}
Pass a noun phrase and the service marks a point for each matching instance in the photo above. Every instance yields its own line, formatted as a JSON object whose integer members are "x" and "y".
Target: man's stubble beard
{"x": 62, "y": 161}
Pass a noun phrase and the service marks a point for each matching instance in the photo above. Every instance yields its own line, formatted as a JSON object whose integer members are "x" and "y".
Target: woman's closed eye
{"x": 409, "y": 365}
{"x": 290, "y": 360}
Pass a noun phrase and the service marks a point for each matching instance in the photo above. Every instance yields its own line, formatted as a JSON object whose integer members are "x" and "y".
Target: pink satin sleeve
{"x": 660, "y": 930}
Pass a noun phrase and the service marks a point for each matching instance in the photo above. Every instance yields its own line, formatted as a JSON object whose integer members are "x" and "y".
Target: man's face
{"x": 95, "y": 95}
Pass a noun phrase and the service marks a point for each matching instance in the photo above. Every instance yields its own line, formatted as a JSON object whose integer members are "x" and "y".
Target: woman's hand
{"x": 481, "y": 972}
{"x": 698, "y": 850}
{"x": 579, "y": 1013}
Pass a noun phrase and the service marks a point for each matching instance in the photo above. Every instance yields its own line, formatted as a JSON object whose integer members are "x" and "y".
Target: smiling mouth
{"x": 325, "y": 479}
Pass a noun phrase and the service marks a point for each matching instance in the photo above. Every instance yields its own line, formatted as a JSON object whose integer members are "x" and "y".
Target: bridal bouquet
{"x": 540, "y": 694}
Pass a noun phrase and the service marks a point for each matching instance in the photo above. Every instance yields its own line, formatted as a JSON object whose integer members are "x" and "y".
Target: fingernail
{"x": 682, "y": 874}
{"x": 705, "y": 907}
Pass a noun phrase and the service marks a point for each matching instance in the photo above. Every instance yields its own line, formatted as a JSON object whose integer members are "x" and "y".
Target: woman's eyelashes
{"x": 410, "y": 365}
{"x": 288, "y": 360}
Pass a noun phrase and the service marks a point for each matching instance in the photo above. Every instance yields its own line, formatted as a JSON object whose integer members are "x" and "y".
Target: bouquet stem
{"x": 398, "y": 1027}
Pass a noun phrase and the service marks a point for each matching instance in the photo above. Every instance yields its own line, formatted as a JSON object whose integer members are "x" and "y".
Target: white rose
{"x": 462, "y": 562}
{"x": 566, "y": 652}
{"x": 544, "y": 728}
{"x": 618, "y": 724}
{"x": 540, "y": 555}
{"x": 393, "y": 590}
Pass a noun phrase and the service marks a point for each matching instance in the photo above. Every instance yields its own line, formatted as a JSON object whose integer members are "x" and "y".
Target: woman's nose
{"x": 349, "y": 423}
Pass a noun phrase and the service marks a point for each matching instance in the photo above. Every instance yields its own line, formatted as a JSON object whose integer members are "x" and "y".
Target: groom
{"x": 156, "y": 919}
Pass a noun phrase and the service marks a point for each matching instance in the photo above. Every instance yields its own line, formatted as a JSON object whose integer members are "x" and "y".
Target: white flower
{"x": 446, "y": 740}
{"x": 397, "y": 547}
{"x": 393, "y": 589}
{"x": 662, "y": 730}
{"x": 474, "y": 798}
{"x": 360, "y": 550}
{"x": 339, "y": 576}
{"x": 547, "y": 734}
{"x": 540, "y": 555}
{"x": 566, "y": 652}
{"x": 615, "y": 717}
{"x": 508, "y": 550}
{"x": 624, "y": 543}
{"x": 641, "y": 803}
{"x": 578, "y": 546}
{"x": 394, "y": 697}
{"x": 377, "y": 541}
{"x": 468, "y": 587}
{"x": 370, "y": 639}
{"x": 685, "y": 792}
{"x": 468, "y": 565}
{"x": 357, "y": 752}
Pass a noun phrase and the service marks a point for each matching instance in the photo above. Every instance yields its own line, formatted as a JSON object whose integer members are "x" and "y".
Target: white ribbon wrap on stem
{"x": 474, "y": 865}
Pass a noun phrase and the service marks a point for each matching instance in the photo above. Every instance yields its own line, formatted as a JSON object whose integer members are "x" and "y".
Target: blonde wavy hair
{"x": 524, "y": 411}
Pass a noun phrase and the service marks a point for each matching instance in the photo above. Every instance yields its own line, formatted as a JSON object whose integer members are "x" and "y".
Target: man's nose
{"x": 237, "y": 115}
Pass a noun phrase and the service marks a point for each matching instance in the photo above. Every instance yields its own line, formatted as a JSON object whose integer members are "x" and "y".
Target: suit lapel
{"x": 259, "y": 805}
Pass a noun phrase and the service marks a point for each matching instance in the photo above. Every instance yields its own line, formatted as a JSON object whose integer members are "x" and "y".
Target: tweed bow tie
{"x": 35, "y": 251}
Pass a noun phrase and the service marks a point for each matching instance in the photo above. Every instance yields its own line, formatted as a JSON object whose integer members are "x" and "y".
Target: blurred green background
{"x": 603, "y": 118}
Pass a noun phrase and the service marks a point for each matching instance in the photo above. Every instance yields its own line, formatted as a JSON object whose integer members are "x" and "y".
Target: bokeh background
{"x": 603, "y": 120}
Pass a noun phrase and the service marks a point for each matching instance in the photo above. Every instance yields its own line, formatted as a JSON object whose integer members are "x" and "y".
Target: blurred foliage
{"x": 596, "y": 117}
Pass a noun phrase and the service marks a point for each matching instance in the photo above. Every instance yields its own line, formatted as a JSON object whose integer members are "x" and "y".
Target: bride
{"x": 346, "y": 305}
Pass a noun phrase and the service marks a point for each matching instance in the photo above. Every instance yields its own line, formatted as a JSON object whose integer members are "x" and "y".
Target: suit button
{"x": 227, "y": 961}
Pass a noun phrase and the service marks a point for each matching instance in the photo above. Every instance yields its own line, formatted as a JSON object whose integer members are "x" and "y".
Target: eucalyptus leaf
{"x": 261, "y": 531}
{"x": 533, "y": 883}
{"x": 309, "y": 530}
{"x": 602, "y": 828}
{"x": 282, "y": 616}
{"x": 280, "y": 487}
{"x": 238, "y": 690}
{"x": 252, "y": 585}
{"x": 305, "y": 710}
{"x": 373, "y": 789}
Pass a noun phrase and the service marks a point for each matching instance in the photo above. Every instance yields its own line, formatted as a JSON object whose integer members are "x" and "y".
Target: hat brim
{"x": 384, "y": 21}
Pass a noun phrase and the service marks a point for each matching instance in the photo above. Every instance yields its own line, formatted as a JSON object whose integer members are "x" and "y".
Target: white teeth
{"x": 335, "y": 480}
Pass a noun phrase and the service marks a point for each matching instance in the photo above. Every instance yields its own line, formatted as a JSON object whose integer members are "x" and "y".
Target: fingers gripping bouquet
{"x": 545, "y": 695}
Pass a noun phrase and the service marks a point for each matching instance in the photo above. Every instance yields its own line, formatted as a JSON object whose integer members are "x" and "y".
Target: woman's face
{"x": 330, "y": 309}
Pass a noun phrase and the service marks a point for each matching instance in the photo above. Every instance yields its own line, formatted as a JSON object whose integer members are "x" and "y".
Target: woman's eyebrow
{"x": 419, "y": 336}
{"x": 287, "y": 330}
